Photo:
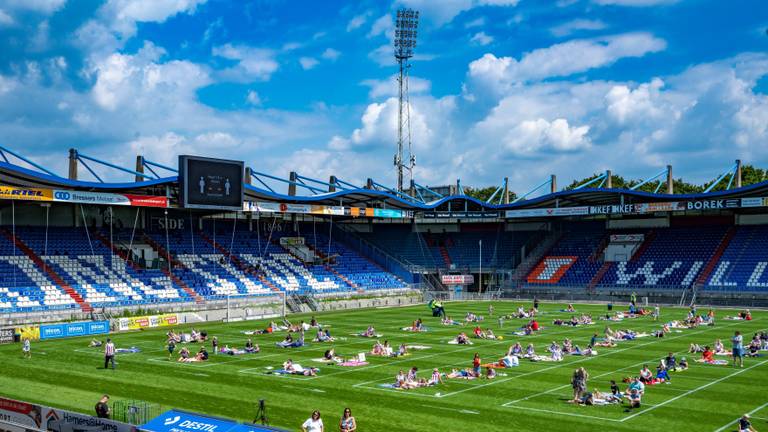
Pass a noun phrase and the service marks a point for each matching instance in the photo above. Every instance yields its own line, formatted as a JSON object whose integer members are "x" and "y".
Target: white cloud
{"x": 532, "y": 136}
{"x": 122, "y": 79}
{"x": 253, "y": 98}
{"x": 331, "y": 54}
{"x": 573, "y": 26}
{"x": 477, "y": 22}
{"x": 626, "y": 105}
{"x": 42, "y": 6}
{"x": 382, "y": 26}
{"x": 253, "y": 64}
{"x": 444, "y": 11}
{"x": 378, "y": 128}
{"x": 635, "y": 3}
{"x": 561, "y": 59}
{"x": 388, "y": 87}
{"x": 124, "y": 14}
{"x": 357, "y": 21}
{"x": 482, "y": 39}
{"x": 5, "y": 19}
{"x": 308, "y": 63}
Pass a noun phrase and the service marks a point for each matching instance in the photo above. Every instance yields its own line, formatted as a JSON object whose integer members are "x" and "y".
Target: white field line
{"x": 738, "y": 372}
{"x": 657, "y": 340}
{"x": 508, "y": 404}
{"x": 564, "y": 413}
{"x": 724, "y": 427}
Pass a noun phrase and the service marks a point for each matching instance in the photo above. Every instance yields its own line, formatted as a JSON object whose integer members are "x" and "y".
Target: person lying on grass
{"x": 471, "y": 317}
{"x": 462, "y": 339}
{"x": 449, "y": 321}
{"x": 588, "y": 351}
{"x": 289, "y": 342}
{"x": 461, "y": 374}
{"x": 95, "y": 343}
{"x": 484, "y": 334}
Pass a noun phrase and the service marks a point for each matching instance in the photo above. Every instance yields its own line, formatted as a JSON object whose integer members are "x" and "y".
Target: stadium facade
{"x": 205, "y": 234}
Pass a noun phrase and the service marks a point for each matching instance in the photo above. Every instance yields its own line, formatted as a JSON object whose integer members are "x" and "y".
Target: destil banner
{"x": 136, "y": 323}
{"x": 25, "y": 194}
{"x": 88, "y": 328}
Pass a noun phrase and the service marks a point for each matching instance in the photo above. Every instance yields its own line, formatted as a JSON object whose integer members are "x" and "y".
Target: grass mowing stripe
{"x": 617, "y": 370}
{"x": 738, "y": 372}
{"x": 724, "y": 427}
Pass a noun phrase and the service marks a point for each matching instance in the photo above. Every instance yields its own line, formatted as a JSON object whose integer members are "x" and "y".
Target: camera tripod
{"x": 261, "y": 414}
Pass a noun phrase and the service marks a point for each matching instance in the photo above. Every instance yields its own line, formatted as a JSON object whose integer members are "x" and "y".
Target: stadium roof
{"x": 15, "y": 175}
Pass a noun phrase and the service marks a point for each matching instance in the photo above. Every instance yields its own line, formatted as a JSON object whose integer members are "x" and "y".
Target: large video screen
{"x": 210, "y": 183}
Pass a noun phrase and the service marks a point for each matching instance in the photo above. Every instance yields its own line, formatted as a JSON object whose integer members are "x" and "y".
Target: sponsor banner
{"x": 25, "y": 194}
{"x": 6, "y": 335}
{"x": 457, "y": 279}
{"x": 270, "y": 207}
{"x": 642, "y": 208}
{"x": 547, "y": 212}
{"x": 67, "y": 421}
{"x": 100, "y": 198}
{"x": 460, "y": 215}
{"x": 141, "y": 322}
{"x": 89, "y": 328}
{"x": 29, "y": 332}
{"x": 21, "y": 413}
{"x": 182, "y": 421}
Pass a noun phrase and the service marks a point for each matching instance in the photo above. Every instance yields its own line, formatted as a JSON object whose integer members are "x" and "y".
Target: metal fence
{"x": 135, "y": 412}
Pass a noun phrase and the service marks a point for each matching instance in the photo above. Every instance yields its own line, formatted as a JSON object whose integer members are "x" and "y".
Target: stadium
{"x": 215, "y": 294}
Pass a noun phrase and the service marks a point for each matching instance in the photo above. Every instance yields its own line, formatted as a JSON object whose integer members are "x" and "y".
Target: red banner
{"x": 148, "y": 201}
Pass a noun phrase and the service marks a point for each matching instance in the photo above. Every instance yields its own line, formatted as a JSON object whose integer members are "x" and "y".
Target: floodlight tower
{"x": 406, "y": 26}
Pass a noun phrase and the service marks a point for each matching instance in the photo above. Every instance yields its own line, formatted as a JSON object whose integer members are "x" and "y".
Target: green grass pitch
{"x": 66, "y": 373}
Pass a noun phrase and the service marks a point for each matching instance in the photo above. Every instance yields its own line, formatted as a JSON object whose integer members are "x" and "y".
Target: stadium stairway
{"x": 598, "y": 276}
{"x": 333, "y": 270}
{"x": 446, "y": 256}
{"x": 236, "y": 260}
{"x": 161, "y": 251}
{"x": 647, "y": 241}
{"x": 710, "y": 266}
{"x": 122, "y": 254}
{"x": 51, "y": 273}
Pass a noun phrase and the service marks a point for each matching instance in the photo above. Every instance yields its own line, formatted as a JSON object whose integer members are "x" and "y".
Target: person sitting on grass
{"x": 615, "y": 392}
{"x": 646, "y": 376}
{"x": 635, "y": 385}
{"x": 719, "y": 347}
{"x": 251, "y": 348}
{"x": 708, "y": 356}
{"x": 184, "y": 354}
{"x": 490, "y": 373}
{"x": 323, "y": 335}
{"x": 436, "y": 378}
{"x": 661, "y": 373}
{"x": 515, "y": 350}
{"x": 529, "y": 351}
{"x": 400, "y": 379}
{"x": 289, "y": 342}
{"x": 634, "y": 399}
{"x": 402, "y": 350}
{"x": 683, "y": 364}
{"x": 745, "y": 425}
{"x": 369, "y": 332}
{"x": 670, "y": 362}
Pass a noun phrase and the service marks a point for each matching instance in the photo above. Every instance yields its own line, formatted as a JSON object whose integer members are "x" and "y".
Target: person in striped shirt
{"x": 109, "y": 354}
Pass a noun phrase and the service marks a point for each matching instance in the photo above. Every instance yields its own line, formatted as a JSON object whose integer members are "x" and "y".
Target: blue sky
{"x": 500, "y": 88}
